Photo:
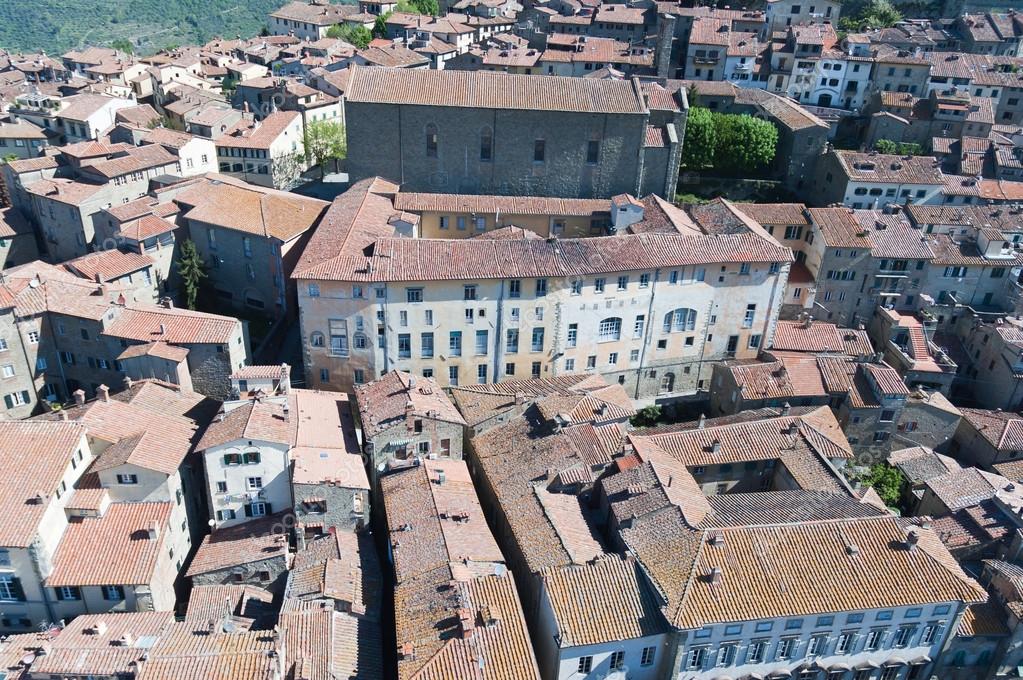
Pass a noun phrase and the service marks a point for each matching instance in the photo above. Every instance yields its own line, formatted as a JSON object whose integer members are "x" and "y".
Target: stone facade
{"x": 506, "y": 149}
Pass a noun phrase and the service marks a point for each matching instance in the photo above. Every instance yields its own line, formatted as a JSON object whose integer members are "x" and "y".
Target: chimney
{"x": 103, "y": 392}
{"x": 167, "y": 302}
{"x": 63, "y": 415}
{"x": 716, "y": 576}
{"x": 466, "y": 624}
{"x": 715, "y": 446}
{"x": 441, "y": 477}
{"x": 809, "y": 321}
{"x": 785, "y": 408}
{"x": 163, "y": 329}
{"x": 717, "y": 538}
{"x": 703, "y": 421}
{"x": 793, "y": 428}
{"x": 520, "y": 398}
{"x": 128, "y": 382}
{"x": 153, "y": 531}
{"x": 409, "y": 415}
{"x": 912, "y": 538}
{"x": 79, "y": 396}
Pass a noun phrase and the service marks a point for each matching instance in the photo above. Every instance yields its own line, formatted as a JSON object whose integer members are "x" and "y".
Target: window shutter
{"x": 9, "y": 401}
{"x": 267, "y": 509}
{"x": 248, "y": 509}
{"x": 17, "y": 590}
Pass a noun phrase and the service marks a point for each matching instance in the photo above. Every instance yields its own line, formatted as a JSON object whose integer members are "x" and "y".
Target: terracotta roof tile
{"x": 35, "y": 456}
{"x": 130, "y": 555}
{"x": 485, "y": 89}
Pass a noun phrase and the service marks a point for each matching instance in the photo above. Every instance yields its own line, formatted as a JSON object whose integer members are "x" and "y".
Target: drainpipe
{"x": 647, "y": 332}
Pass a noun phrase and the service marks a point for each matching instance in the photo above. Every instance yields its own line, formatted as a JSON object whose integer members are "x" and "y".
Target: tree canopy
{"x": 325, "y": 141}
{"x": 359, "y": 36}
{"x": 875, "y": 14}
{"x": 886, "y": 481}
{"x": 701, "y": 139}
{"x": 192, "y": 270}
{"x": 737, "y": 143}
{"x": 899, "y": 148}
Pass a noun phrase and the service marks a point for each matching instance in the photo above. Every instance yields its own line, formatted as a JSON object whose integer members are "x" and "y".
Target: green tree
{"x": 325, "y": 141}
{"x": 876, "y": 14}
{"x": 899, "y": 148}
{"x": 743, "y": 143}
{"x": 380, "y": 25}
{"x": 430, "y": 7}
{"x": 228, "y": 85}
{"x": 886, "y": 481}
{"x": 192, "y": 270}
{"x": 123, "y": 45}
{"x": 359, "y": 36}
{"x": 647, "y": 416}
{"x": 700, "y": 140}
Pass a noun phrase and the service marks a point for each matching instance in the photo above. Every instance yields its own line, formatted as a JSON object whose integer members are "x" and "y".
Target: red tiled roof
{"x": 129, "y": 554}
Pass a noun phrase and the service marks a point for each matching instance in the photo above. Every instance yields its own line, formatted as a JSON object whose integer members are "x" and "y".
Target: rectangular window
{"x": 536, "y": 345}
{"x": 726, "y": 654}
{"x": 515, "y": 288}
{"x": 511, "y": 344}
{"x": 469, "y": 292}
{"x": 585, "y": 665}
{"x": 639, "y": 326}
{"x": 755, "y": 652}
{"x": 539, "y": 151}
{"x": 598, "y": 286}
{"x": 482, "y": 343}
{"x": 413, "y": 294}
{"x": 817, "y": 645}
{"x": 127, "y": 479}
{"x": 617, "y": 660}
{"x": 453, "y": 375}
{"x": 569, "y": 364}
{"x": 113, "y": 593}
{"x": 404, "y": 346}
{"x": 481, "y": 374}
{"x": 426, "y": 345}
{"x": 648, "y": 656}
{"x": 541, "y": 287}
{"x": 455, "y": 343}
{"x": 623, "y": 282}
{"x": 751, "y": 311}
{"x": 254, "y": 483}
{"x": 573, "y": 334}
{"x": 10, "y": 588}
{"x": 874, "y": 638}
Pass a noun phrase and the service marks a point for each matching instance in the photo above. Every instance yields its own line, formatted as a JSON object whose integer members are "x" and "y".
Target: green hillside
{"x": 59, "y": 25}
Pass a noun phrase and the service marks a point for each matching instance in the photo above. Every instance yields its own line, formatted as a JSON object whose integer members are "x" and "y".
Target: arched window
{"x": 609, "y": 329}
{"x": 486, "y": 144}
{"x": 667, "y": 383}
{"x": 431, "y": 141}
{"x": 681, "y": 319}
{"x": 316, "y": 339}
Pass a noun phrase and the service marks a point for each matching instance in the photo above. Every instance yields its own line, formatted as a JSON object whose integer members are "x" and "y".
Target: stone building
{"x": 298, "y": 449}
{"x": 404, "y": 417}
{"x": 651, "y": 307}
{"x": 481, "y": 132}
{"x": 254, "y": 553}
{"x": 251, "y": 237}
{"x": 63, "y": 333}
